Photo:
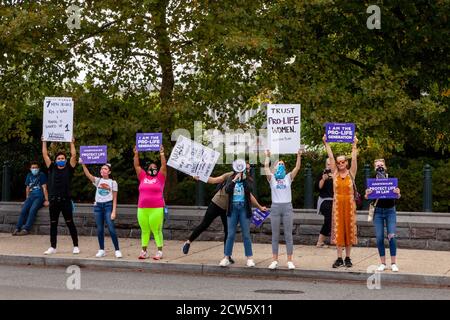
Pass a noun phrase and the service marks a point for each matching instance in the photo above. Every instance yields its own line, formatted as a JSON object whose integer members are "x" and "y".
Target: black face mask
{"x": 380, "y": 172}
{"x": 153, "y": 172}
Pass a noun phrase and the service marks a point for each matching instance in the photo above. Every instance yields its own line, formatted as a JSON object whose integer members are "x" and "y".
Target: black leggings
{"x": 55, "y": 208}
{"x": 212, "y": 213}
{"x": 326, "y": 208}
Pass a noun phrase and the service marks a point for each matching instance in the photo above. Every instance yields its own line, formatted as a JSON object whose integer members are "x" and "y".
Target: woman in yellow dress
{"x": 343, "y": 226}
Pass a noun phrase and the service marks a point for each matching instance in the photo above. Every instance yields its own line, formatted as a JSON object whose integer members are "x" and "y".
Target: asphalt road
{"x": 30, "y": 283}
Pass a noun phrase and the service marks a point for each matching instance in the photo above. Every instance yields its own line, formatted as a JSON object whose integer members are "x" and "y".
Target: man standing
{"x": 60, "y": 175}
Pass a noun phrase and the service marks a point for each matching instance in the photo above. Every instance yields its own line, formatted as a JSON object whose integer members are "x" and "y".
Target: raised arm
{"x": 297, "y": 164}
{"x": 266, "y": 166}
{"x": 354, "y": 166}
{"x": 215, "y": 180}
{"x": 86, "y": 171}
{"x": 330, "y": 154}
{"x": 137, "y": 167}
{"x": 163, "y": 161}
{"x": 47, "y": 160}
{"x": 73, "y": 154}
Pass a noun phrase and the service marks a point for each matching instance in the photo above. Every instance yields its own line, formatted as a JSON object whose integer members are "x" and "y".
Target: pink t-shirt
{"x": 151, "y": 190}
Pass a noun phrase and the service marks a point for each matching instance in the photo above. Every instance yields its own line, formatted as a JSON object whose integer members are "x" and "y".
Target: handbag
{"x": 356, "y": 194}
{"x": 371, "y": 211}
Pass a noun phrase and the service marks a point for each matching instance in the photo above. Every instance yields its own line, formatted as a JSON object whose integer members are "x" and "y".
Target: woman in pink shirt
{"x": 151, "y": 203}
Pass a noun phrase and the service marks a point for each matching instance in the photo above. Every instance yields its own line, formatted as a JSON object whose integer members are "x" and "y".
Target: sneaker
{"x": 394, "y": 267}
{"x": 381, "y": 267}
{"x": 158, "y": 256}
{"x": 224, "y": 262}
{"x": 118, "y": 254}
{"x": 291, "y": 265}
{"x": 231, "y": 260}
{"x": 100, "y": 253}
{"x": 186, "y": 247}
{"x": 23, "y": 232}
{"x": 348, "y": 262}
{"x": 50, "y": 250}
{"x": 143, "y": 255}
{"x": 15, "y": 232}
{"x": 273, "y": 265}
{"x": 338, "y": 263}
{"x": 76, "y": 250}
{"x": 250, "y": 263}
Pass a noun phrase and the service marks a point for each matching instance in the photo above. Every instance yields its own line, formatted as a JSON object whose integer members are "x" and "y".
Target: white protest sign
{"x": 283, "y": 128}
{"x": 58, "y": 119}
{"x": 193, "y": 158}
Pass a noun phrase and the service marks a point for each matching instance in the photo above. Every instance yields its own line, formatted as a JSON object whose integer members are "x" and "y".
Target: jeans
{"x": 238, "y": 214}
{"x": 30, "y": 207}
{"x": 102, "y": 212}
{"x": 388, "y": 217}
{"x": 65, "y": 207}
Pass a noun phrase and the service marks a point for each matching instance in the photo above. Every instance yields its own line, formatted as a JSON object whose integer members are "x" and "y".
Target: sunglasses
{"x": 341, "y": 162}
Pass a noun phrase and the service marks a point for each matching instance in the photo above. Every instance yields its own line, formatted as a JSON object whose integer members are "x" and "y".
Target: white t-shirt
{"x": 281, "y": 189}
{"x": 105, "y": 188}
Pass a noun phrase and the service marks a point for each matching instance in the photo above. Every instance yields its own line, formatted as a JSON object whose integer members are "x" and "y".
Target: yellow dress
{"x": 343, "y": 226}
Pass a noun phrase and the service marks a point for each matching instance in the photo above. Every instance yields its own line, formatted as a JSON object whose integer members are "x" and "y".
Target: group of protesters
{"x": 232, "y": 202}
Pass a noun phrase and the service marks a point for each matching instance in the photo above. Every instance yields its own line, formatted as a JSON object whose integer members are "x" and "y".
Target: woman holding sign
{"x": 343, "y": 227}
{"x": 385, "y": 214}
{"x": 104, "y": 207}
{"x": 282, "y": 211}
{"x": 151, "y": 203}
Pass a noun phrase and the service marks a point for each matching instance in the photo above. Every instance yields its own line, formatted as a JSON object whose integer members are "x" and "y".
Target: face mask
{"x": 61, "y": 163}
{"x": 153, "y": 172}
{"x": 281, "y": 172}
{"x": 34, "y": 171}
{"x": 381, "y": 173}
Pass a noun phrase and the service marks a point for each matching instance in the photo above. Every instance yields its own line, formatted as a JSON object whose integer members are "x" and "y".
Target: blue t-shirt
{"x": 239, "y": 193}
{"x": 35, "y": 182}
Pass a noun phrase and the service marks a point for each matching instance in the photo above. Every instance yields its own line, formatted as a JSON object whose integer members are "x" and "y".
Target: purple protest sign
{"x": 94, "y": 154}
{"x": 259, "y": 216}
{"x": 148, "y": 141}
{"x": 382, "y": 188}
{"x": 340, "y": 132}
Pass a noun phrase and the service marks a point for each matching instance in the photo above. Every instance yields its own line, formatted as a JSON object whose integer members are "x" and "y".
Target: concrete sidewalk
{"x": 417, "y": 267}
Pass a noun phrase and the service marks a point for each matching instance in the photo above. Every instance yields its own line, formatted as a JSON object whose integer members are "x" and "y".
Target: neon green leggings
{"x": 151, "y": 221}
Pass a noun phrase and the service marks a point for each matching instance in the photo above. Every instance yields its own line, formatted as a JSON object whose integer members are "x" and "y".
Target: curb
{"x": 205, "y": 269}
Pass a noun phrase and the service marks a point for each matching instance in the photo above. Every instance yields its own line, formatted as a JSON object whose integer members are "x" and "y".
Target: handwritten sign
{"x": 382, "y": 188}
{"x": 340, "y": 132}
{"x": 148, "y": 141}
{"x": 283, "y": 128}
{"x": 58, "y": 119}
{"x": 193, "y": 158}
{"x": 94, "y": 154}
{"x": 259, "y": 216}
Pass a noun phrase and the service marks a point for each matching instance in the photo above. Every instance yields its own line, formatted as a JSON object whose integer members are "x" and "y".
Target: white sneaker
{"x": 381, "y": 267}
{"x": 290, "y": 265}
{"x": 394, "y": 267}
{"x": 118, "y": 254}
{"x": 158, "y": 256}
{"x": 250, "y": 263}
{"x": 225, "y": 262}
{"x": 50, "y": 250}
{"x": 273, "y": 265}
{"x": 76, "y": 250}
{"x": 100, "y": 253}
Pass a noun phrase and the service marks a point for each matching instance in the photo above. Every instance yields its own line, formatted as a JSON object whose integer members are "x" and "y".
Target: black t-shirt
{"x": 60, "y": 180}
{"x": 327, "y": 189}
{"x": 385, "y": 203}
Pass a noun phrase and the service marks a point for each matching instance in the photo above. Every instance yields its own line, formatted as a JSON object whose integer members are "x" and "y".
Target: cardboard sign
{"x": 193, "y": 158}
{"x": 382, "y": 188}
{"x": 283, "y": 128}
{"x": 340, "y": 132}
{"x": 58, "y": 119}
{"x": 148, "y": 141}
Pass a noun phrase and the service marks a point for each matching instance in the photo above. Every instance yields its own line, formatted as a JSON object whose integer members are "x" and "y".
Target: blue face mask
{"x": 61, "y": 163}
{"x": 34, "y": 171}
{"x": 281, "y": 172}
